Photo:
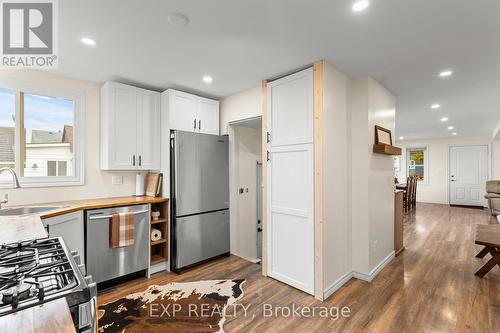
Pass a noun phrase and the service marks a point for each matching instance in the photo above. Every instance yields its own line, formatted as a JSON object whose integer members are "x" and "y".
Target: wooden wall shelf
{"x": 381, "y": 148}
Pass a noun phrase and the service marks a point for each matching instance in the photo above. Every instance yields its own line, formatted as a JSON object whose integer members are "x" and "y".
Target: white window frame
{"x": 78, "y": 97}
{"x": 426, "y": 162}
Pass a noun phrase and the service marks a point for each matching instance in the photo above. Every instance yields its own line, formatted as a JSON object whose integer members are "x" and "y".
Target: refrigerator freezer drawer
{"x": 200, "y": 237}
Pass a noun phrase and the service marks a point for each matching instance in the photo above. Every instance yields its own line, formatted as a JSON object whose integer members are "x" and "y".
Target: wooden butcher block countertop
{"x": 50, "y": 317}
{"x": 76, "y": 205}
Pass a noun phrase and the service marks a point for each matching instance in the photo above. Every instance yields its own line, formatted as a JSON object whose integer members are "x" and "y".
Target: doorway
{"x": 245, "y": 175}
{"x": 468, "y": 174}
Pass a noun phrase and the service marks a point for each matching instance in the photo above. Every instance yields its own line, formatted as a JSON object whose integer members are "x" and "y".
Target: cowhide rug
{"x": 175, "y": 307}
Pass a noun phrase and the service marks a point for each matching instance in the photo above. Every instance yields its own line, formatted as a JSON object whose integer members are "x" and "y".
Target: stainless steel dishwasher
{"x": 105, "y": 263}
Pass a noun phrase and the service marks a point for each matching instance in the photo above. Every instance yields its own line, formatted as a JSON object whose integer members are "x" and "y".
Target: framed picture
{"x": 383, "y": 135}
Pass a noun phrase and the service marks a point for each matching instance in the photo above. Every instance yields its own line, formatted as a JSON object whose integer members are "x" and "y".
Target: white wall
{"x": 496, "y": 159}
{"x": 244, "y": 105}
{"x": 336, "y": 148}
{"x": 436, "y": 188}
{"x": 97, "y": 182}
{"x": 247, "y": 152}
{"x": 372, "y": 177}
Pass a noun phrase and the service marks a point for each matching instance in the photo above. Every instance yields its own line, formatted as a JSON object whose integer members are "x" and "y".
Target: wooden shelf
{"x": 159, "y": 249}
{"x": 161, "y": 241}
{"x": 153, "y": 222}
{"x": 386, "y": 149}
{"x": 156, "y": 258}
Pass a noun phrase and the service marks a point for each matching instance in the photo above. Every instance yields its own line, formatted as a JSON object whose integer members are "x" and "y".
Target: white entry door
{"x": 468, "y": 175}
{"x": 290, "y": 183}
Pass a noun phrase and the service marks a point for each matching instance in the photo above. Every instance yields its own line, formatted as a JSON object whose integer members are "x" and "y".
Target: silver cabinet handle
{"x": 140, "y": 160}
{"x": 133, "y": 160}
{"x": 199, "y": 125}
{"x": 194, "y": 124}
{"x": 100, "y": 217}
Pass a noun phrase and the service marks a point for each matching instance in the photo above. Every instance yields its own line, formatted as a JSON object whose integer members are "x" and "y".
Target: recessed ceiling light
{"x": 401, "y": 138}
{"x": 454, "y": 133}
{"x": 88, "y": 41}
{"x": 445, "y": 73}
{"x": 361, "y": 5}
{"x": 177, "y": 19}
{"x": 444, "y": 119}
{"x": 435, "y": 106}
{"x": 207, "y": 79}
{"x": 451, "y": 127}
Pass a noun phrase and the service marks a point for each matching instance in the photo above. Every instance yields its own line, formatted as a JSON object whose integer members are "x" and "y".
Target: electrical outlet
{"x": 117, "y": 180}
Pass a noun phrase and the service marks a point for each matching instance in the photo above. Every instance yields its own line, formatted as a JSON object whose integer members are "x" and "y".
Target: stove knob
{"x": 76, "y": 256}
{"x": 81, "y": 267}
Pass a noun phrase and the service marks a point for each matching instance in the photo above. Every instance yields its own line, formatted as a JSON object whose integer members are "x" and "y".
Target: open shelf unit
{"x": 159, "y": 248}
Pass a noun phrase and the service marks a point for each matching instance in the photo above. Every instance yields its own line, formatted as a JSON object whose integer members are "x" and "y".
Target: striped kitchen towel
{"x": 121, "y": 230}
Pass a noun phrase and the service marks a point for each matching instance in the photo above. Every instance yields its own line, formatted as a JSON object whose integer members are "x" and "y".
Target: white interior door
{"x": 290, "y": 241}
{"x": 468, "y": 175}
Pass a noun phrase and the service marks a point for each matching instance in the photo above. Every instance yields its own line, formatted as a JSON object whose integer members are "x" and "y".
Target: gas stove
{"x": 38, "y": 271}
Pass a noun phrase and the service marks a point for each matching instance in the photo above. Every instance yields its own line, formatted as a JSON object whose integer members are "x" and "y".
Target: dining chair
{"x": 407, "y": 195}
{"x": 414, "y": 192}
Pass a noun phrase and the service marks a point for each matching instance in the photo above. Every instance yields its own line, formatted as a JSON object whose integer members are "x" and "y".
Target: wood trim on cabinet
{"x": 318, "y": 179}
{"x": 264, "y": 177}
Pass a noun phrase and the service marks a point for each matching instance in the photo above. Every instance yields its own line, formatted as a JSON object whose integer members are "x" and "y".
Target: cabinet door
{"x": 207, "y": 116}
{"x": 70, "y": 228}
{"x": 182, "y": 111}
{"x": 148, "y": 135}
{"x": 121, "y": 126}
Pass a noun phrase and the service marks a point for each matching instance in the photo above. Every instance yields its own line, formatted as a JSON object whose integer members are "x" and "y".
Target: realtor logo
{"x": 29, "y": 33}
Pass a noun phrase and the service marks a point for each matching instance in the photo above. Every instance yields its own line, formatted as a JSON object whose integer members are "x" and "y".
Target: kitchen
{"x": 184, "y": 166}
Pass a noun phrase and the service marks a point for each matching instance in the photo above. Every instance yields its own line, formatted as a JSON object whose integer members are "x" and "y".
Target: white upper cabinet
{"x": 187, "y": 112}
{"x": 207, "y": 116}
{"x": 130, "y": 128}
{"x": 182, "y": 107}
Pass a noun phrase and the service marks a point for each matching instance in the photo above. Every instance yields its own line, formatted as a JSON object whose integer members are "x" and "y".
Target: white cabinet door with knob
{"x": 70, "y": 228}
{"x": 148, "y": 124}
{"x": 182, "y": 111}
{"x": 207, "y": 114}
{"x": 130, "y": 128}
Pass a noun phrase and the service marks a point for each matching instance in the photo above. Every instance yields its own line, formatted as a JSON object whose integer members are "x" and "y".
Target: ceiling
{"x": 404, "y": 44}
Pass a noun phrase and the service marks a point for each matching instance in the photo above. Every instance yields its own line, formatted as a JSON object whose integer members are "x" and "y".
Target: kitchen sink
{"x": 26, "y": 210}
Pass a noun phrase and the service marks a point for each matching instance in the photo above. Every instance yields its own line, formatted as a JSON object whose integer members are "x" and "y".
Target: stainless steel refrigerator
{"x": 199, "y": 175}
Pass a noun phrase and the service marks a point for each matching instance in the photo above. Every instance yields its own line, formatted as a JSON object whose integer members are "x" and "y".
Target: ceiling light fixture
{"x": 445, "y": 73}
{"x": 451, "y": 127}
{"x": 444, "y": 119}
{"x": 207, "y": 79}
{"x": 361, "y": 5}
{"x": 435, "y": 106}
{"x": 88, "y": 41}
{"x": 454, "y": 133}
{"x": 401, "y": 138}
{"x": 178, "y": 19}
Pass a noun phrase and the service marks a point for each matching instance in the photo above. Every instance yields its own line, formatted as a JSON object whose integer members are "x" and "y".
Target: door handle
{"x": 194, "y": 123}
{"x": 99, "y": 217}
{"x": 133, "y": 160}
{"x": 199, "y": 125}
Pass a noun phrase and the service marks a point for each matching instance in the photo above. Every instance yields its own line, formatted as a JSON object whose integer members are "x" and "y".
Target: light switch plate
{"x": 117, "y": 180}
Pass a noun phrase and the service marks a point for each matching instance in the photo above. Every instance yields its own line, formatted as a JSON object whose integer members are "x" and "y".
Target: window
{"x": 40, "y": 135}
{"x": 417, "y": 163}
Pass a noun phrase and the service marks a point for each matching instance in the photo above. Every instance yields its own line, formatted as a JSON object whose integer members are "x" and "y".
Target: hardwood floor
{"x": 430, "y": 287}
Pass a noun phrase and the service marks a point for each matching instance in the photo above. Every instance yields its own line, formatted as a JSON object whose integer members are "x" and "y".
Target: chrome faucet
{"x": 15, "y": 183}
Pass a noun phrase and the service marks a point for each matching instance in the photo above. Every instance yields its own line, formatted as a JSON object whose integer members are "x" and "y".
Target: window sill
{"x": 39, "y": 184}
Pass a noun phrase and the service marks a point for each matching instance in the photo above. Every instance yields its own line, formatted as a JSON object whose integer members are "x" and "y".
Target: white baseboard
{"x": 255, "y": 260}
{"x": 337, "y": 284}
{"x": 374, "y": 272}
